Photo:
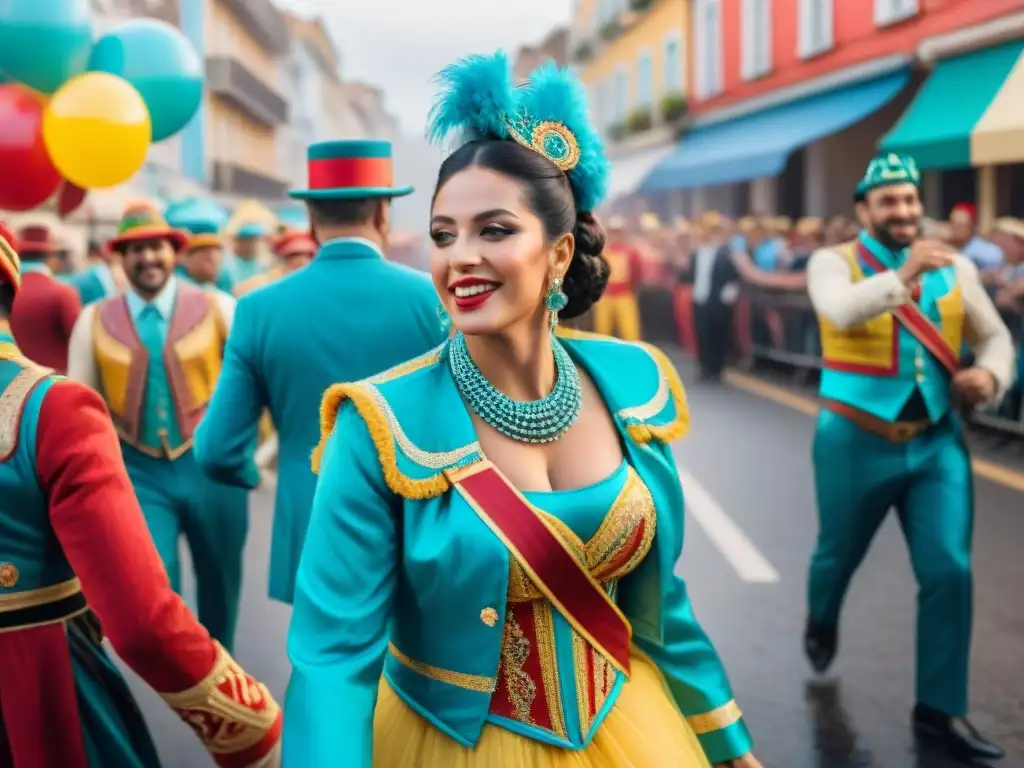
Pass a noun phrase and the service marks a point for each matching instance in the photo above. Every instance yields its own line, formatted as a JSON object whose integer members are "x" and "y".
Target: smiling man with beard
{"x": 894, "y": 308}
{"x": 154, "y": 354}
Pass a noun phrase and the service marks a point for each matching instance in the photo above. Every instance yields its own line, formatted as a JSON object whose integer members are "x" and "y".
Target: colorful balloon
{"x": 97, "y": 130}
{"x": 163, "y": 66}
{"x": 69, "y": 199}
{"x": 27, "y": 176}
{"x": 44, "y": 42}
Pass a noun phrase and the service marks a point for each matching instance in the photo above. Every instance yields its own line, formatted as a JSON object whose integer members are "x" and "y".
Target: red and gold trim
{"x": 547, "y": 559}
{"x": 595, "y": 678}
{"x": 234, "y": 716}
{"x": 10, "y": 264}
{"x": 528, "y": 689}
{"x": 14, "y": 397}
{"x": 355, "y": 172}
{"x": 917, "y": 323}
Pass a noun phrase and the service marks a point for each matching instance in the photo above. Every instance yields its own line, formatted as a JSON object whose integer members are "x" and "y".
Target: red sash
{"x": 552, "y": 567}
{"x": 917, "y": 323}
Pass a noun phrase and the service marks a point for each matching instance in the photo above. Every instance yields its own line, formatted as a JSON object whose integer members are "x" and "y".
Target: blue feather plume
{"x": 557, "y": 95}
{"x": 475, "y": 95}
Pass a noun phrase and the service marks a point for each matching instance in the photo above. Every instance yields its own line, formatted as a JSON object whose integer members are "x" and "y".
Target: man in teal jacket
{"x": 348, "y": 315}
{"x": 894, "y": 309}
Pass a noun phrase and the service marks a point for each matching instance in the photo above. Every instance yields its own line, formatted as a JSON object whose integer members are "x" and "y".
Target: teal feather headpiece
{"x": 547, "y": 113}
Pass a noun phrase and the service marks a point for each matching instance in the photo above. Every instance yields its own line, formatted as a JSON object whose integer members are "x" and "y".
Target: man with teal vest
{"x": 154, "y": 354}
{"x": 348, "y": 315}
{"x": 894, "y": 309}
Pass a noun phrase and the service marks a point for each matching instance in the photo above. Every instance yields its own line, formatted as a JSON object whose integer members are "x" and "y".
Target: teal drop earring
{"x": 444, "y": 319}
{"x": 555, "y": 301}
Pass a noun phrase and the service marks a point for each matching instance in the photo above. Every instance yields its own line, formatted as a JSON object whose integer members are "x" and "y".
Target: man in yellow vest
{"x": 893, "y": 308}
{"x": 154, "y": 354}
{"x": 617, "y": 313}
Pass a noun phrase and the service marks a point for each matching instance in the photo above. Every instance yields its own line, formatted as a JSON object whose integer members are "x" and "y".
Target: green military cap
{"x": 887, "y": 169}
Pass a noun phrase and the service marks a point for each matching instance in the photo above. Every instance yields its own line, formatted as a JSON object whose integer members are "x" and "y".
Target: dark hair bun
{"x": 588, "y": 271}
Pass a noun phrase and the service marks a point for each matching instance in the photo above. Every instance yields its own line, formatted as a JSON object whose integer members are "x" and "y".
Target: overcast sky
{"x": 399, "y": 44}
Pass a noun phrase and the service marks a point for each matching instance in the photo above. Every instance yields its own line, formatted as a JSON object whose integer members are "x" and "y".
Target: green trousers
{"x": 177, "y": 499}
{"x": 859, "y": 477}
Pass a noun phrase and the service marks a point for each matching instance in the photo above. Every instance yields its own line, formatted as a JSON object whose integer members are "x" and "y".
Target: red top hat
{"x": 293, "y": 243}
{"x": 10, "y": 265}
{"x": 35, "y": 239}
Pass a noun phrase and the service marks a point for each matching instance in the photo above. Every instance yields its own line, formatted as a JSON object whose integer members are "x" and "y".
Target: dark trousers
{"x": 714, "y": 322}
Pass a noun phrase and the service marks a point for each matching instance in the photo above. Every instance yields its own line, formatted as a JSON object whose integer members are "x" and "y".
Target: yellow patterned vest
{"x": 192, "y": 357}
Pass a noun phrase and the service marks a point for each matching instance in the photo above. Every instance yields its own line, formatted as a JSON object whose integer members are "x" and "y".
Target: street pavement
{"x": 750, "y": 530}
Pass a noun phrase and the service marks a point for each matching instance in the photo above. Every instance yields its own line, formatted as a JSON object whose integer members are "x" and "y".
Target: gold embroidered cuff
{"x": 717, "y": 719}
{"x": 229, "y": 711}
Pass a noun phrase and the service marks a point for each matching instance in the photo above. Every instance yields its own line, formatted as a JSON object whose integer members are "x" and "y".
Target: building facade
{"x": 815, "y": 84}
{"x": 632, "y": 56}
{"x": 245, "y": 107}
{"x": 554, "y": 47}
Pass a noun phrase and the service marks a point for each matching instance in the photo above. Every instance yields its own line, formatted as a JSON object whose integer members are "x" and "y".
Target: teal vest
{"x": 159, "y": 426}
{"x": 30, "y": 554}
{"x": 878, "y": 366}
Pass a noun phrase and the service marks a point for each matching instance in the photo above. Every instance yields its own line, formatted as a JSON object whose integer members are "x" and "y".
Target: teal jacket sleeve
{"x": 343, "y": 600}
{"x": 225, "y": 441}
{"x": 694, "y": 672}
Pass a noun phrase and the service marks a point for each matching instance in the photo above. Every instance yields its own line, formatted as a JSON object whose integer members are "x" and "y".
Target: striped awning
{"x": 970, "y": 112}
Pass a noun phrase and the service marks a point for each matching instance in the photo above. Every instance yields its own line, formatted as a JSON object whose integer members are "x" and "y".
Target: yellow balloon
{"x": 97, "y": 130}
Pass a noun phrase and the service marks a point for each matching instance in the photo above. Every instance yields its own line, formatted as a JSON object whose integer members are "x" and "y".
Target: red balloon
{"x": 27, "y": 177}
{"x": 69, "y": 198}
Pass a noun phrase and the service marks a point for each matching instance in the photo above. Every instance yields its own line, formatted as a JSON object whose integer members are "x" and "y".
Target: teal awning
{"x": 938, "y": 126}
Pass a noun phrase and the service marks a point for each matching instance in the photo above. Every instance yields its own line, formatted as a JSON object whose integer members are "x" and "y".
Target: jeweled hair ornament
{"x": 479, "y": 99}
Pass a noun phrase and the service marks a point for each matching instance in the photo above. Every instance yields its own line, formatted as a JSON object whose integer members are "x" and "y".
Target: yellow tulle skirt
{"x": 643, "y": 730}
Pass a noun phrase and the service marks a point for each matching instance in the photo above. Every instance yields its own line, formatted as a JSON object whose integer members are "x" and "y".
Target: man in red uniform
{"x": 46, "y": 309}
{"x": 74, "y": 547}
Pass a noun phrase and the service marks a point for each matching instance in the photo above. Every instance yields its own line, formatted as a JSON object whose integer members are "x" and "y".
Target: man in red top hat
{"x": 46, "y": 309}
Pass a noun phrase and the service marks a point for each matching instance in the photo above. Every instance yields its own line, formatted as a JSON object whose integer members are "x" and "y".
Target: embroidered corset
{"x": 552, "y": 683}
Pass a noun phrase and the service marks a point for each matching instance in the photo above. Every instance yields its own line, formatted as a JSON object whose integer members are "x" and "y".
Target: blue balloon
{"x": 43, "y": 43}
{"x": 163, "y": 66}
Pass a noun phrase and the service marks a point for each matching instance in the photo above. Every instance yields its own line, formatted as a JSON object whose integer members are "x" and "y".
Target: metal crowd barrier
{"x": 778, "y": 329}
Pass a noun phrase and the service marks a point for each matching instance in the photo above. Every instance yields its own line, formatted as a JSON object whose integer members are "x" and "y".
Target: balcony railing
{"x": 232, "y": 179}
{"x": 229, "y": 79}
{"x": 263, "y": 21}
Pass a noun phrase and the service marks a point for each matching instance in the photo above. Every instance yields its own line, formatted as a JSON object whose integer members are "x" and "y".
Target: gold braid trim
{"x": 229, "y": 711}
{"x": 717, "y": 719}
{"x": 380, "y": 432}
{"x": 670, "y": 386}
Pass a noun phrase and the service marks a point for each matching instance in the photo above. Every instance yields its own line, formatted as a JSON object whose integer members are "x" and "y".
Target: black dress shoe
{"x": 955, "y": 734}
{"x": 820, "y": 645}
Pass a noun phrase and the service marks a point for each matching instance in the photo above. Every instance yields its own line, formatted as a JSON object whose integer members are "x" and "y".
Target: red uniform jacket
{"x": 45, "y": 311}
{"x": 99, "y": 525}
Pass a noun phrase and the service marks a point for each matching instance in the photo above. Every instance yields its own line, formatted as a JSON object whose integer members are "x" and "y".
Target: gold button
{"x": 489, "y": 616}
{"x": 8, "y": 575}
{"x": 919, "y": 377}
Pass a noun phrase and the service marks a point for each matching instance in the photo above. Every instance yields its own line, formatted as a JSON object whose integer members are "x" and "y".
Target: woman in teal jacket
{"x": 488, "y": 578}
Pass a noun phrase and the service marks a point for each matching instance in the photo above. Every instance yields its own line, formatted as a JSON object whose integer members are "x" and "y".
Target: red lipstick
{"x": 470, "y": 293}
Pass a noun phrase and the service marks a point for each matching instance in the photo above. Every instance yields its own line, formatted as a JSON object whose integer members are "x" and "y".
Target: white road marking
{"x": 730, "y": 540}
